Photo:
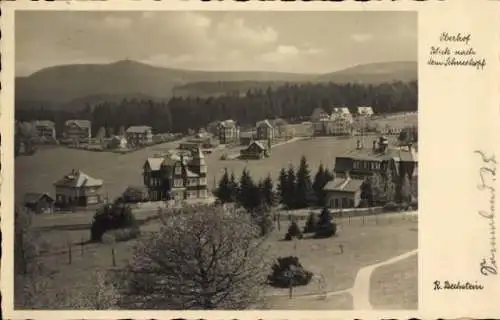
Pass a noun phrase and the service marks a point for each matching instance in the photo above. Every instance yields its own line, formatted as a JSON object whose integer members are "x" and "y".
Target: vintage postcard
{"x": 249, "y": 159}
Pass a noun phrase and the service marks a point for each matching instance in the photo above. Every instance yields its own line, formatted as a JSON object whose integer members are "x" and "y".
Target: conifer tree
{"x": 234, "y": 188}
{"x": 282, "y": 186}
{"x": 267, "y": 191}
{"x": 224, "y": 188}
{"x": 304, "y": 194}
{"x": 289, "y": 191}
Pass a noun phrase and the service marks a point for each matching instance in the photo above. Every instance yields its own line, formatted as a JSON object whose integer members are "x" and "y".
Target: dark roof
{"x": 345, "y": 185}
{"x": 79, "y": 123}
{"x": 78, "y": 179}
{"x": 370, "y": 154}
{"x": 138, "y": 129}
{"x": 34, "y": 197}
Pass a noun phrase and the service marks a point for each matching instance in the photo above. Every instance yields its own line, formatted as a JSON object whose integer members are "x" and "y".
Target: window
{"x": 178, "y": 170}
{"x": 203, "y": 181}
{"x": 178, "y": 183}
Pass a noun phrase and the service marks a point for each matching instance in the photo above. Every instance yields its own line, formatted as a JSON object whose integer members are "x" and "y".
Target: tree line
{"x": 296, "y": 189}
{"x": 294, "y": 102}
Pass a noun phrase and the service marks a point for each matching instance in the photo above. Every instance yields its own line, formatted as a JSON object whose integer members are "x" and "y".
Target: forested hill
{"x": 290, "y": 101}
{"x": 74, "y": 86}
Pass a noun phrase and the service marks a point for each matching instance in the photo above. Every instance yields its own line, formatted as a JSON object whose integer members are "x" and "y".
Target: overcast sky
{"x": 303, "y": 42}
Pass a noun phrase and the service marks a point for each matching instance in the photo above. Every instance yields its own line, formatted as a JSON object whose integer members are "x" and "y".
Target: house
{"x": 228, "y": 132}
{"x": 344, "y": 192}
{"x": 265, "y": 130}
{"x": 78, "y": 189}
{"x": 255, "y": 150}
{"x": 78, "y": 130}
{"x": 118, "y": 142}
{"x": 175, "y": 178}
{"x": 247, "y": 137}
{"x": 319, "y": 114}
{"x": 45, "y": 128}
{"x": 139, "y": 135}
{"x": 341, "y": 112}
{"x": 39, "y": 202}
{"x": 364, "y": 162}
{"x": 365, "y": 111}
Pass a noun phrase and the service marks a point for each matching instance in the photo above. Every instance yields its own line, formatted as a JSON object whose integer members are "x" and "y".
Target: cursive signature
{"x": 487, "y": 172}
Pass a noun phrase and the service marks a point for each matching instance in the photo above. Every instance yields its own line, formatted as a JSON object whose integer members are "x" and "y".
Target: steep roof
{"x": 342, "y": 110}
{"x": 154, "y": 163}
{"x": 138, "y": 129}
{"x": 79, "y": 123}
{"x": 264, "y": 123}
{"x": 227, "y": 123}
{"x": 191, "y": 174}
{"x": 259, "y": 144}
{"x": 345, "y": 185}
{"x": 364, "y": 110}
{"x": 34, "y": 197}
{"x": 77, "y": 179}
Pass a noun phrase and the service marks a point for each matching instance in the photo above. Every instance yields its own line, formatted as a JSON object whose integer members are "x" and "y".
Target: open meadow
{"x": 366, "y": 241}
{"x": 37, "y": 173}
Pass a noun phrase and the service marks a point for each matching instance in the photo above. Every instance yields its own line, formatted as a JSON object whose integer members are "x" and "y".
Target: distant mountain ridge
{"x": 71, "y": 86}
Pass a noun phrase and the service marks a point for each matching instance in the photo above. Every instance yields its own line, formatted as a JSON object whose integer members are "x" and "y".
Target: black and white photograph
{"x": 216, "y": 160}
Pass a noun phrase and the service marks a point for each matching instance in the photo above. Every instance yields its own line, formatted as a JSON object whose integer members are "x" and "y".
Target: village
{"x": 346, "y": 149}
{"x": 368, "y": 151}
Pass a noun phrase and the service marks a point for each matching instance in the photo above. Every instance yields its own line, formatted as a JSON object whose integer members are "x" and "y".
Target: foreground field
{"x": 396, "y": 286}
{"x": 365, "y": 242}
{"x": 37, "y": 173}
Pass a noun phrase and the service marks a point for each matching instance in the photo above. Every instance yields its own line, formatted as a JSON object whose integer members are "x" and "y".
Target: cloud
{"x": 235, "y": 32}
{"x": 285, "y": 53}
{"x": 361, "y": 37}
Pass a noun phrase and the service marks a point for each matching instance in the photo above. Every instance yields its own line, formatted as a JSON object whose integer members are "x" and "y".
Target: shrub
{"x": 311, "y": 223}
{"x": 293, "y": 232}
{"x": 110, "y": 217}
{"x": 325, "y": 227}
{"x": 288, "y": 271}
{"x": 134, "y": 195}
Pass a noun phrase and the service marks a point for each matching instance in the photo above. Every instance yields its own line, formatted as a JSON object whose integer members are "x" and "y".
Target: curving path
{"x": 361, "y": 290}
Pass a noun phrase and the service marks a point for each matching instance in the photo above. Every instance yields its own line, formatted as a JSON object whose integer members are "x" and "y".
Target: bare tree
{"x": 205, "y": 257}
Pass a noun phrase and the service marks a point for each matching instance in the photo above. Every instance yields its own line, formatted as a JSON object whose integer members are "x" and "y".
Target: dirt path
{"x": 361, "y": 290}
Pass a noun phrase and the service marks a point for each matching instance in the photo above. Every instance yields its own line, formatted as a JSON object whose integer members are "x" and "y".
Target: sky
{"x": 299, "y": 42}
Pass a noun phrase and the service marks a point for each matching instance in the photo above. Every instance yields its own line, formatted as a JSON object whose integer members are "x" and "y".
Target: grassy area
{"x": 395, "y": 286}
{"x": 365, "y": 243}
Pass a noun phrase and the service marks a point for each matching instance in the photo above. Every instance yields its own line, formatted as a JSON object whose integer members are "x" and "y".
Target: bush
{"x": 288, "y": 271}
{"x": 293, "y": 232}
{"x": 325, "y": 227}
{"x": 326, "y": 230}
{"x": 135, "y": 194}
{"x": 311, "y": 223}
{"x": 110, "y": 217}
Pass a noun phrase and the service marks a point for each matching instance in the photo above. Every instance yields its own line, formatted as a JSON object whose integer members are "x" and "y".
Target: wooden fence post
{"x": 70, "y": 257}
{"x": 113, "y": 255}
{"x": 81, "y": 247}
